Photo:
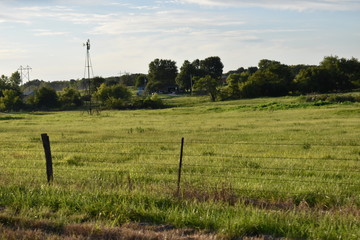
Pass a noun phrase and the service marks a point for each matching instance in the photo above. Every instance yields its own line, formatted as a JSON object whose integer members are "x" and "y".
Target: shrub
{"x": 70, "y": 98}
{"x": 153, "y": 102}
{"x": 113, "y": 97}
{"x": 10, "y": 101}
{"x": 46, "y": 98}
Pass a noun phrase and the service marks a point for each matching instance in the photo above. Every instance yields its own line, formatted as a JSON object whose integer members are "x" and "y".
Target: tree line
{"x": 269, "y": 78}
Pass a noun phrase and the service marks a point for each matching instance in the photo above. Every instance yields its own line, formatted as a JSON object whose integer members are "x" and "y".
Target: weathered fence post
{"x": 47, "y": 150}
{"x": 180, "y": 167}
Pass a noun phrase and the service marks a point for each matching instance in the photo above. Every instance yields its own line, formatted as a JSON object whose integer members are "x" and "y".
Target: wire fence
{"x": 180, "y": 166}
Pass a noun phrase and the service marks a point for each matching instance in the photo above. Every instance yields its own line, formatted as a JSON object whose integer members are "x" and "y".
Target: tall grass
{"x": 268, "y": 166}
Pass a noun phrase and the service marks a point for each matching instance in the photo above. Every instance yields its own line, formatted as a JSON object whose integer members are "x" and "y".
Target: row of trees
{"x": 275, "y": 79}
{"x": 269, "y": 78}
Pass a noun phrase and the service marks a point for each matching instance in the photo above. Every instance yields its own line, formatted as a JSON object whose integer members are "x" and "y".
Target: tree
{"x": 95, "y": 83}
{"x": 3, "y": 83}
{"x": 12, "y": 82}
{"x": 15, "y": 80}
{"x": 128, "y": 79}
{"x": 263, "y": 83}
{"x": 232, "y": 90}
{"x": 162, "y": 74}
{"x": 46, "y": 98}
{"x": 314, "y": 79}
{"x": 209, "y": 85}
{"x": 11, "y": 100}
{"x": 184, "y": 78}
{"x": 113, "y": 96}
{"x": 140, "y": 80}
{"x": 70, "y": 98}
{"x": 351, "y": 68}
{"x": 212, "y": 66}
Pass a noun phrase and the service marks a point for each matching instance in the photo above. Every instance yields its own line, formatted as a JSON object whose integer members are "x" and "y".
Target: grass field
{"x": 263, "y": 167}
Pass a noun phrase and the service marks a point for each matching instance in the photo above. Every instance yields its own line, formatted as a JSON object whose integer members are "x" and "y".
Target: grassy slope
{"x": 109, "y": 181}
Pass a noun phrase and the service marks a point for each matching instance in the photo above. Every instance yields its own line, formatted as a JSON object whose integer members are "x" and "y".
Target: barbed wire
{"x": 271, "y": 179}
{"x": 189, "y": 142}
{"x": 273, "y": 191}
{"x": 273, "y": 144}
{"x": 272, "y": 168}
{"x": 270, "y": 157}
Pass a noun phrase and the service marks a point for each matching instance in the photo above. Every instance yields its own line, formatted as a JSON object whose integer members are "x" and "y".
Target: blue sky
{"x": 127, "y": 35}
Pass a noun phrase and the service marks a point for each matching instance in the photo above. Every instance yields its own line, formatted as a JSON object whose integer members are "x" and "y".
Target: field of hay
{"x": 276, "y": 167}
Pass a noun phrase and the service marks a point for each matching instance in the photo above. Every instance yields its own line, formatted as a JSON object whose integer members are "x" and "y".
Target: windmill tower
{"x": 88, "y": 69}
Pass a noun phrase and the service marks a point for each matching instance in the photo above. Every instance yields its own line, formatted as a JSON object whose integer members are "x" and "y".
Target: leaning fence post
{"x": 47, "y": 150}
{"x": 180, "y": 166}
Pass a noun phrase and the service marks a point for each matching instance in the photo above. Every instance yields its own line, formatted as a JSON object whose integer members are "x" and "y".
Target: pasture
{"x": 269, "y": 166}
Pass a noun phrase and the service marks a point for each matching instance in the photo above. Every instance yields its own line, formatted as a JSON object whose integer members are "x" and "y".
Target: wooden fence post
{"x": 180, "y": 167}
{"x": 47, "y": 150}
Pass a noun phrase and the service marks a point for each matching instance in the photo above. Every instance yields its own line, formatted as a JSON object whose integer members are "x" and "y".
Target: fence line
{"x": 181, "y": 168}
{"x": 273, "y": 157}
{"x": 275, "y": 144}
{"x": 272, "y": 191}
{"x": 267, "y": 168}
{"x": 189, "y": 142}
{"x": 273, "y": 179}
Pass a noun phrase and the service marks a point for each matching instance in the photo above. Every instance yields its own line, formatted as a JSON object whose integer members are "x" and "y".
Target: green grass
{"x": 270, "y": 166}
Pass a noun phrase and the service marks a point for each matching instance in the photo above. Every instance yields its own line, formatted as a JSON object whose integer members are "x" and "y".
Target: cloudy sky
{"x": 127, "y": 35}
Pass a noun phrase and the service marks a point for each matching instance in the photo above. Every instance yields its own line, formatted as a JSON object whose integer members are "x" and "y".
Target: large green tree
{"x": 162, "y": 74}
{"x": 114, "y": 96}
{"x": 184, "y": 78}
{"x": 209, "y": 85}
{"x": 46, "y": 98}
{"x": 10, "y": 101}
{"x": 232, "y": 90}
{"x": 212, "y": 66}
{"x": 70, "y": 98}
{"x": 314, "y": 79}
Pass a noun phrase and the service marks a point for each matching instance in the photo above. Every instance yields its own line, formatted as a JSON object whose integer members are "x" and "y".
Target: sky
{"x": 127, "y": 35}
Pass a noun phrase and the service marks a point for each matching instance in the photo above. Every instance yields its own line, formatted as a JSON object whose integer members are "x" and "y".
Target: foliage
{"x": 113, "y": 97}
{"x": 232, "y": 90}
{"x": 333, "y": 98}
{"x": 11, "y": 100}
{"x": 212, "y": 66}
{"x": 13, "y": 82}
{"x": 162, "y": 74}
{"x": 314, "y": 79}
{"x": 184, "y": 78}
{"x": 70, "y": 98}
{"x": 10, "y": 94}
{"x": 263, "y": 83}
{"x": 128, "y": 79}
{"x": 46, "y": 98}
{"x": 209, "y": 85}
{"x": 152, "y": 102}
{"x": 140, "y": 80}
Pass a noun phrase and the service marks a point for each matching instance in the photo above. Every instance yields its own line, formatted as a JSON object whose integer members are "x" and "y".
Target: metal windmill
{"x": 88, "y": 67}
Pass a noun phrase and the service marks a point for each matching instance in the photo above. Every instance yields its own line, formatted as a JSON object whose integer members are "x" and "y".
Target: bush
{"x": 10, "y": 101}
{"x": 332, "y": 98}
{"x": 70, "y": 98}
{"x": 113, "y": 97}
{"x": 46, "y": 98}
{"x": 153, "y": 102}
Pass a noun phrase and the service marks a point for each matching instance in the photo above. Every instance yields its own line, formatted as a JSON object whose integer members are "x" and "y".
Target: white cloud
{"x": 299, "y": 5}
{"x": 11, "y": 51}
{"x": 46, "y": 32}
